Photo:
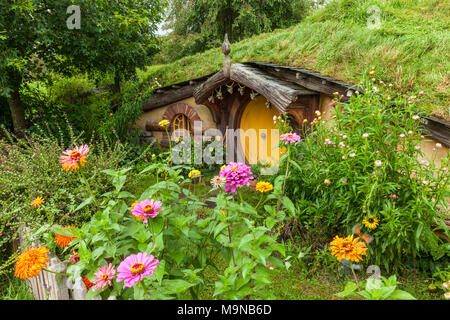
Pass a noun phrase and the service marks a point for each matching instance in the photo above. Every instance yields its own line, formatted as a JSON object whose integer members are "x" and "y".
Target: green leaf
{"x": 84, "y": 203}
{"x": 176, "y": 286}
{"x": 349, "y": 289}
{"x": 91, "y": 294}
{"x": 401, "y": 295}
{"x": 289, "y": 205}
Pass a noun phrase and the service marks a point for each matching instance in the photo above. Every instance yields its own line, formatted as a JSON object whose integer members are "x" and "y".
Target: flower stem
{"x": 356, "y": 279}
{"x": 240, "y": 196}
{"x": 285, "y": 178}
{"x": 153, "y": 235}
{"x": 88, "y": 187}
{"x": 259, "y": 202}
{"x": 59, "y": 274}
{"x": 170, "y": 144}
{"x": 143, "y": 287}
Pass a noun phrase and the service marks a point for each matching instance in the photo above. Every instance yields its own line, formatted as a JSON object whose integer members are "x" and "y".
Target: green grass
{"x": 12, "y": 288}
{"x": 409, "y": 50}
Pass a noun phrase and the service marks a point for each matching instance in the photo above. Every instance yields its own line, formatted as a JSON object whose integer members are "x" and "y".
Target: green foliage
{"x": 409, "y": 50}
{"x": 366, "y": 161}
{"x": 115, "y": 37}
{"x": 186, "y": 238}
{"x": 30, "y": 168}
{"x": 201, "y": 25}
{"x": 376, "y": 289}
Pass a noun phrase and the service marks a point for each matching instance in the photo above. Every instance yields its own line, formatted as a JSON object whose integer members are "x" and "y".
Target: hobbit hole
{"x": 247, "y": 96}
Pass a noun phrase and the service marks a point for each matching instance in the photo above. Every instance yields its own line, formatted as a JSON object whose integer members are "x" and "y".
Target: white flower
{"x": 365, "y": 135}
{"x": 445, "y": 285}
{"x": 447, "y": 295}
{"x": 352, "y": 155}
{"x": 274, "y": 118}
{"x": 444, "y": 169}
{"x": 344, "y": 137}
{"x": 402, "y": 135}
{"x": 438, "y": 145}
{"x": 343, "y": 157}
{"x": 415, "y": 117}
{"x": 417, "y": 147}
{"x": 378, "y": 163}
{"x": 410, "y": 132}
{"x": 218, "y": 181}
{"x": 425, "y": 182}
{"x": 341, "y": 144}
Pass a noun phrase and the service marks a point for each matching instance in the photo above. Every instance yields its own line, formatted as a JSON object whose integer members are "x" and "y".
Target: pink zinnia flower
{"x": 290, "y": 137}
{"x": 237, "y": 174}
{"x": 73, "y": 157}
{"x": 147, "y": 208}
{"x": 104, "y": 276}
{"x": 135, "y": 267}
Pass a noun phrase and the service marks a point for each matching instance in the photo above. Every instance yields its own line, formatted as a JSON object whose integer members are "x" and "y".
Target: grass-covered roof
{"x": 410, "y": 48}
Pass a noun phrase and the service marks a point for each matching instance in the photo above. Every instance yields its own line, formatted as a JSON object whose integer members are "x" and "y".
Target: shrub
{"x": 186, "y": 237}
{"x": 364, "y": 162}
{"x": 30, "y": 168}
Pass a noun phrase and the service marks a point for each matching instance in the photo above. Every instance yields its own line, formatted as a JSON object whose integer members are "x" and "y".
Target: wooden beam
{"x": 310, "y": 82}
{"x": 206, "y": 89}
{"x": 168, "y": 97}
{"x": 279, "y": 93}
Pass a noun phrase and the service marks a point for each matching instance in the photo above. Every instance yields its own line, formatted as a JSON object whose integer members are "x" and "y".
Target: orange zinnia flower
{"x": 349, "y": 248}
{"x": 37, "y": 202}
{"x": 31, "y": 262}
{"x": 74, "y": 158}
{"x": 64, "y": 241}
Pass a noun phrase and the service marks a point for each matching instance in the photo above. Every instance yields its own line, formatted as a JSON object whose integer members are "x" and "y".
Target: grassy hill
{"x": 410, "y": 49}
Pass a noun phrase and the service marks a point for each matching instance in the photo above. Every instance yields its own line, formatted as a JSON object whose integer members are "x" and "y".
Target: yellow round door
{"x": 256, "y": 124}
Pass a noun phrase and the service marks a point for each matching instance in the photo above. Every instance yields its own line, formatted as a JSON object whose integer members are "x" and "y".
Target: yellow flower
{"x": 31, "y": 262}
{"x": 164, "y": 123}
{"x": 371, "y": 222}
{"x": 263, "y": 186}
{"x": 349, "y": 248}
{"x": 327, "y": 181}
{"x": 64, "y": 241}
{"x": 194, "y": 173}
{"x": 37, "y": 202}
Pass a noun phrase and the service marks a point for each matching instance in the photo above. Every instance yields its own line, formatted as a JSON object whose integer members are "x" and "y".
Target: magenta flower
{"x": 290, "y": 137}
{"x": 104, "y": 276}
{"x": 135, "y": 267}
{"x": 237, "y": 174}
{"x": 147, "y": 208}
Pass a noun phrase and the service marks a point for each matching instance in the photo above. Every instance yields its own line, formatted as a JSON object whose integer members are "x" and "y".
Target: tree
{"x": 238, "y": 18}
{"x": 113, "y": 37}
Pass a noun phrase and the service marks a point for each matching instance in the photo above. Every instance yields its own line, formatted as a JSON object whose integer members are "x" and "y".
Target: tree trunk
{"x": 116, "y": 82}
{"x": 17, "y": 111}
{"x": 229, "y": 21}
